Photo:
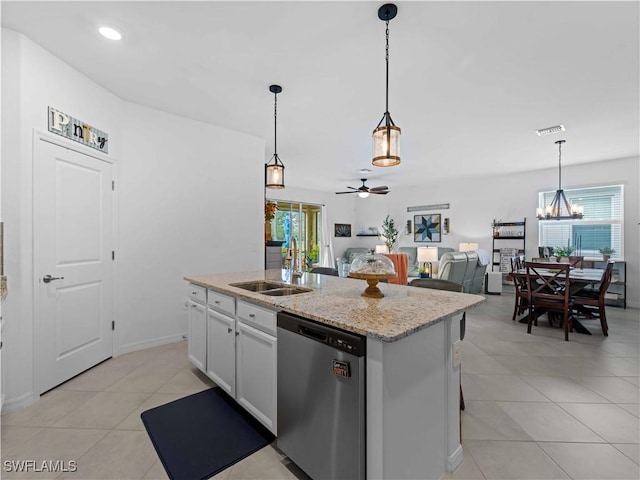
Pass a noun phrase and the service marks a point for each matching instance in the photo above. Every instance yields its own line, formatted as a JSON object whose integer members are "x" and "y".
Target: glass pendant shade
{"x": 274, "y": 173}
{"x": 386, "y": 146}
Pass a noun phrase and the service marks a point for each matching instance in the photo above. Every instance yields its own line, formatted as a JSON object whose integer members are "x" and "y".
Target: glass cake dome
{"x": 372, "y": 264}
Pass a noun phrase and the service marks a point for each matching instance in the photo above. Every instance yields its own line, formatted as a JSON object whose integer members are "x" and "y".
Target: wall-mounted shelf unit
{"x": 511, "y": 236}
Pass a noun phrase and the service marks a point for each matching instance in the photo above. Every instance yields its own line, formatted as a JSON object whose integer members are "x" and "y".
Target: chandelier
{"x": 386, "y": 136}
{"x": 555, "y": 211}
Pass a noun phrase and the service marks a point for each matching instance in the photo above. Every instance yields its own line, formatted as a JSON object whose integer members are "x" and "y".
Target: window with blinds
{"x": 602, "y": 224}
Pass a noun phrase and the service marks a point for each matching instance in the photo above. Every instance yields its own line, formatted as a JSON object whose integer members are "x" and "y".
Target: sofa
{"x": 466, "y": 268}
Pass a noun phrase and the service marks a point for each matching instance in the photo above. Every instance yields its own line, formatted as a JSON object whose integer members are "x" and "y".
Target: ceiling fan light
{"x": 386, "y": 152}
{"x": 363, "y": 194}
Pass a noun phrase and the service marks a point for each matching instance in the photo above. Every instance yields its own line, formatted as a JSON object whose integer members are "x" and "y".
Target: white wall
{"x": 475, "y": 202}
{"x": 189, "y": 201}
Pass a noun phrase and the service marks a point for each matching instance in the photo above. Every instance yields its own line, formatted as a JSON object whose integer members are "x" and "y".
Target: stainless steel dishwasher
{"x": 321, "y": 398}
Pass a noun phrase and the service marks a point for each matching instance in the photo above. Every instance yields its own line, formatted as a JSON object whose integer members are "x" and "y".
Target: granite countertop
{"x": 338, "y": 301}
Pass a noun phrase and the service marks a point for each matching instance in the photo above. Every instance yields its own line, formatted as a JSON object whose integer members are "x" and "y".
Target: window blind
{"x": 601, "y": 226}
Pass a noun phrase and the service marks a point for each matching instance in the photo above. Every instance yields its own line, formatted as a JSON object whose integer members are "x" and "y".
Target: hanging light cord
{"x": 387, "y": 62}
{"x": 275, "y": 124}
{"x": 559, "y": 165}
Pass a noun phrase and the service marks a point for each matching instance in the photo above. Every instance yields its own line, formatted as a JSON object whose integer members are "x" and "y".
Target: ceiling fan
{"x": 364, "y": 191}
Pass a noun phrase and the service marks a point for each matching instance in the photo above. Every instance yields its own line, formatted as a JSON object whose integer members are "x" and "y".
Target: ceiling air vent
{"x": 550, "y": 130}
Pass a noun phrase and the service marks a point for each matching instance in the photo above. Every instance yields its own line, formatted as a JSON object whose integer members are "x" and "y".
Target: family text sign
{"x": 78, "y": 131}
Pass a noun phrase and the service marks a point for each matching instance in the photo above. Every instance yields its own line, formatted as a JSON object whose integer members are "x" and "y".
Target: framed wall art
{"x": 342, "y": 229}
{"x": 427, "y": 228}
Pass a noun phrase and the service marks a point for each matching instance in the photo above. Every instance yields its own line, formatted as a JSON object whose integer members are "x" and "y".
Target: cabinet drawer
{"x": 197, "y": 293}
{"x": 259, "y": 317}
{"x": 221, "y": 302}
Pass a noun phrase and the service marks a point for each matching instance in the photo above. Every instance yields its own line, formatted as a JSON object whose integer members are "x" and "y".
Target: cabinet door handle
{"x": 194, "y": 293}
{"x": 252, "y": 315}
{"x": 229, "y": 330}
{"x": 217, "y": 302}
{"x": 237, "y": 333}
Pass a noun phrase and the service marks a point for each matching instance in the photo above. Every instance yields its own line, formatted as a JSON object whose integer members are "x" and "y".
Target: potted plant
{"x": 563, "y": 253}
{"x": 606, "y": 253}
{"x": 389, "y": 233}
{"x": 270, "y": 209}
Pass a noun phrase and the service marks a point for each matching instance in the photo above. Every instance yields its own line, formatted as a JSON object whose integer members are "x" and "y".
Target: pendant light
{"x": 274, "y": 168}
{"x": 386, "y": 136}
{"x": 554, "y": 210}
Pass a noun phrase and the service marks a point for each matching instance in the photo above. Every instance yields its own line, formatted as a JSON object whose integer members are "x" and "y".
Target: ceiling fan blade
{"x": 379, "y": 193}
{"x": 354, "y": 191}
{"x": 373, "y": 189}
{"x": 354, "y": 188}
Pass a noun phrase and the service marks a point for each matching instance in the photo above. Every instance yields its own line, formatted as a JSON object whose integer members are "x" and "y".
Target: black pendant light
{"x": 386, "y": 136}
{"x": 274, "y": 168}
{"x": 554, "y": 210}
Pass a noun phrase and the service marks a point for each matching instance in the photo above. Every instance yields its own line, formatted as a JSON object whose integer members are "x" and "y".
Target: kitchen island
{"x": 412, "y": 378}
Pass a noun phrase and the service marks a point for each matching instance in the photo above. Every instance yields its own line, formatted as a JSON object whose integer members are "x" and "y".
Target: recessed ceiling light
{"x": 110, "y": 33}
{"x": 550, "y": 130}
{"x": 364, "y": 170}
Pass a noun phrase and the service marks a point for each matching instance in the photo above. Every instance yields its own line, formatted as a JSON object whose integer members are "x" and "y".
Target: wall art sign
{"x": 342, "y": 229}
{"x": 435, "y": 206}
{"x": 426, "y": 228}
{"x": 66, "y": 126}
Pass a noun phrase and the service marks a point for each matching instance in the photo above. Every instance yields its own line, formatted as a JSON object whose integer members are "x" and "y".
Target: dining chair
{"x": 590, "y": 304}
{"x": 548, "y": 291}
{"x": 520, "y": 284}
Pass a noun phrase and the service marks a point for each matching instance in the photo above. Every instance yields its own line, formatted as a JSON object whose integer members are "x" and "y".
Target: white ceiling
{"x": 470, "y": 82}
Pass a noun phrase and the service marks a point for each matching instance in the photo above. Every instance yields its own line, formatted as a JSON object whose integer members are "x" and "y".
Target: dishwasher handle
{"x": 311, "y": 333}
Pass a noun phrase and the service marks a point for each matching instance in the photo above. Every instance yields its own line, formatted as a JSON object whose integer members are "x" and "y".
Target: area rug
{"x": 202, "y": 434}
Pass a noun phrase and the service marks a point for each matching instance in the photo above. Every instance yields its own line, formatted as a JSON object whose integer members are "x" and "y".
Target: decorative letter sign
{"x": 78, "y": 131}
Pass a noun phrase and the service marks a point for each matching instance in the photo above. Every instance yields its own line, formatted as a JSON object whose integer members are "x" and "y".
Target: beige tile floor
{"x": 537, "y": 407}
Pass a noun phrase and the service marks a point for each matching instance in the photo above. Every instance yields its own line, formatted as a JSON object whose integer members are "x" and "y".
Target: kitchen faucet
{"x": 294, "y": 265}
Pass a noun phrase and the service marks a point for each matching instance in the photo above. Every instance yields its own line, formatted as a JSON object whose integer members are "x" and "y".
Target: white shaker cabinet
{"x": 197, "y": 326}
{"x": 221, "y": 351}
{"x": 256, "y": 361}
{"x": 256, "y": 374}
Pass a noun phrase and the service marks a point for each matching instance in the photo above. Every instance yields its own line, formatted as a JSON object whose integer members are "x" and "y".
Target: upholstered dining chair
{"x": 590, "y": 304}
{"x": 549, "y": 292}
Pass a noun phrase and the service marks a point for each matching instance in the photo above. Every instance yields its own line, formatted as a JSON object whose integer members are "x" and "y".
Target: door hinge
{"x": 113, "y": 254}
{"x": 113, "y": 324}
{"x": 113, "y": 184}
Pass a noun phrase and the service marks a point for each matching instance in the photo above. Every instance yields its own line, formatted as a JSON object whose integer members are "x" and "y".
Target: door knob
{"x": 48, "y": 278}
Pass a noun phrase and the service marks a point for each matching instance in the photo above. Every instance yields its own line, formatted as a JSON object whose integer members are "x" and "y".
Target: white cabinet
{"x": 256, "y": 374}
{"x": 221, "y": 350}
{"x": 197, "y": 333}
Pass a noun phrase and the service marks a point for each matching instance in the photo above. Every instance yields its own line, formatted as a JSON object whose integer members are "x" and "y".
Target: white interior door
{"x": 74, "y": 243}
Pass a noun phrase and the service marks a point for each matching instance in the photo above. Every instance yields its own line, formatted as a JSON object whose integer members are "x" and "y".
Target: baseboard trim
{"x": 18, "y": 403}
{"x": 154, "y": 342}
{"x": 455, "y": 459}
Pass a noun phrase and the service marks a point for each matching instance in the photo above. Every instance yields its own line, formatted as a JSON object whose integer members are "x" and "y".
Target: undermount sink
{"x": 270, "y": 288}
{"x": 280, "y": 292}
{"x": 257, "y": 286}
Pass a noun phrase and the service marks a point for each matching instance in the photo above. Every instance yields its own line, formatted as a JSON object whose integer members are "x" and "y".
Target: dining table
{"x": 579, "y": 278}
